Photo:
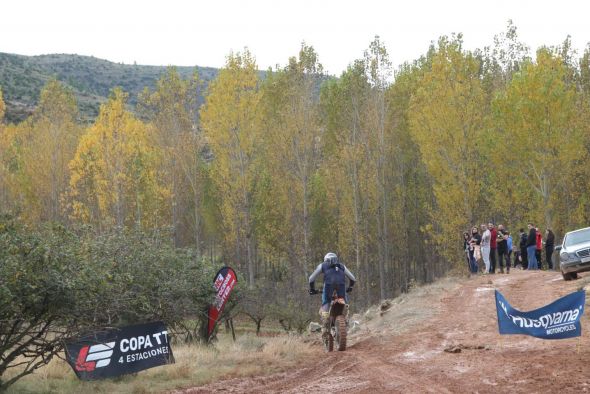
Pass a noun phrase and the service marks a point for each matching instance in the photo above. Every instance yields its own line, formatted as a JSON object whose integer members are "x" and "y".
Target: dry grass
{"x": 406, "y": 310}
{"x": 195, "y": 365}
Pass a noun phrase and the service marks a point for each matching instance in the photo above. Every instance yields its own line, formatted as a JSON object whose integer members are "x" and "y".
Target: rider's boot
{"x": 324, "y": 316}
{"x": 346, "y": 314}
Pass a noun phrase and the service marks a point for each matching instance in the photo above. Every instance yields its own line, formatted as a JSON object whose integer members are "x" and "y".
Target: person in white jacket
{"x": 486, "y": 238}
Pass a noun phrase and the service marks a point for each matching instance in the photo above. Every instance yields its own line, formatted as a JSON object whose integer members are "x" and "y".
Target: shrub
{"x": 56, "y": 284}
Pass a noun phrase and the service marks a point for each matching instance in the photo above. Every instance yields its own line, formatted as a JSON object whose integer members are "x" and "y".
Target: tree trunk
{"x": 175, "y": 235}
{"x": 197, "y": 221}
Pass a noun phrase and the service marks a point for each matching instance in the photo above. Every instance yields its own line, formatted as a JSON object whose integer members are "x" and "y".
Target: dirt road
{"x": 404, "y": 351}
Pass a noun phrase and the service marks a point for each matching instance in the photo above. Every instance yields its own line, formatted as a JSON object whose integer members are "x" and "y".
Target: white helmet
{"x": 331, "y": 258}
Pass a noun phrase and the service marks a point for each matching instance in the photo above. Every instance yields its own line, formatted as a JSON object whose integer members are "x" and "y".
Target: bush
{"x": 56, "y": 284}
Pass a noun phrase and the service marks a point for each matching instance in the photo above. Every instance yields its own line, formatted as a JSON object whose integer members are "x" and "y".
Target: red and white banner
{"x": 224, "y": 282}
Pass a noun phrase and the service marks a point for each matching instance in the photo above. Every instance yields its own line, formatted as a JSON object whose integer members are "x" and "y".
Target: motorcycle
{"x": 335, "y": 326}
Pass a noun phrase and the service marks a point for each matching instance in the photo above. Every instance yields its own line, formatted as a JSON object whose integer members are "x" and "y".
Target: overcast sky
{"x": 188, "y": 33}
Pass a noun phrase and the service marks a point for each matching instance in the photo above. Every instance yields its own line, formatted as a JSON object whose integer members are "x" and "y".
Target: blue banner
{"x": 558, "y": 320}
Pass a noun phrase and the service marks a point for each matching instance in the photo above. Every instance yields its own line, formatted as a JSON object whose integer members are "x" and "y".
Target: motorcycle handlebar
{"x": 316, "y": 292}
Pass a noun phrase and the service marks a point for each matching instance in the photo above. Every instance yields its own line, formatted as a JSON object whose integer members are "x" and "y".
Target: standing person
{"x": 531, "y": 245}
{"x": 517, "y": 256}
{"x": 493, "y": 247}
{"x": 538, "y": 247}
{"x": 509, "y": 256}
{"x": 523, "y": 253}
{"x": 466, "y": 246}
{"x": 549, "y": 247}
{"x": 502, "y": 246}
{"x": 475, "y": 249}
{"x": 485, "y": 247}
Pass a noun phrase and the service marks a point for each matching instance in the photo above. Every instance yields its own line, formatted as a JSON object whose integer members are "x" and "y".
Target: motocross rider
{"x": 335, "y": 274}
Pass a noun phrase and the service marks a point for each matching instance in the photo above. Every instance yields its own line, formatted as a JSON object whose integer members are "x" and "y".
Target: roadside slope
{"x": 404, "y": 351}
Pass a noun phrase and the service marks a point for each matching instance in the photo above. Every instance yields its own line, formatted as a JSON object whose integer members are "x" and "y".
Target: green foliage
{"x": 56, "y": 284}
{"x": 91, "y": 79}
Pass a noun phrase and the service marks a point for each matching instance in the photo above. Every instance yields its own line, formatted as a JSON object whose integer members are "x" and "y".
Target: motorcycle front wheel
{"x": 328, "y": 342}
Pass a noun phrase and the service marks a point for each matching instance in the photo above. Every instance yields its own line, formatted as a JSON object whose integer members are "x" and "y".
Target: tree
{"x": 251, "y": 305}
{"x": 378, "y": 70}
{"x": 411, "y": 185}
{"x": 535, "y": 118}
{"x": 34, "y": 318}
{"x": 114, "y": 178}
{"x": 573, "y": 206}
{"x": 2, "y": 107}
{"x": 448, "y": 122}
{"x": 230, "y": 120}
{"x": 344, "y": 103}
{"x": 293, "y": 139}
{"x": 173, "y": 111}
{"x": 501, "y": 61}
{"x": 4, "y": 143}
{"x": 48, "y": 144}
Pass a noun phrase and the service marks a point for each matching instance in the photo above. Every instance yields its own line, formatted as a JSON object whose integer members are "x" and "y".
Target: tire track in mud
{"x": 412, "y": 358}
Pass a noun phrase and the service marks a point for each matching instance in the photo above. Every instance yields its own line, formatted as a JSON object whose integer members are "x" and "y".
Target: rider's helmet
{"x": 331, "y": 258}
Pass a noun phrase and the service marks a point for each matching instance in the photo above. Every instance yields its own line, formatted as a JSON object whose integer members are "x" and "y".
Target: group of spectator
{"x": 489, "y": 246}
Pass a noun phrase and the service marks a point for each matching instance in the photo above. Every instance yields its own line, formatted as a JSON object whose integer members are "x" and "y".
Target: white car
{"x": 574, "y": 256}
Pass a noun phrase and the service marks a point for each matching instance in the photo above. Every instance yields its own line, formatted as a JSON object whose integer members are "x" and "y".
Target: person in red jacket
{"x": 493, "y": 247}
{"x": 539, "y": 247}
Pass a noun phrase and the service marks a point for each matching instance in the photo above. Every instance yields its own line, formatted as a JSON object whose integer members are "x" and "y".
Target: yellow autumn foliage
{"x": 114, "y": 172}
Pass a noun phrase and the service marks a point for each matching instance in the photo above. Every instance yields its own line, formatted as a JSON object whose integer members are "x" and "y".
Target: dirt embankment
{"x": 403, "y": 350}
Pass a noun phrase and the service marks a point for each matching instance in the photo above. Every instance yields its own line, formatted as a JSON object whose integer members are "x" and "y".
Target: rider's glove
{"x": 313, "y": 291}
{"x": 349, "y": 289}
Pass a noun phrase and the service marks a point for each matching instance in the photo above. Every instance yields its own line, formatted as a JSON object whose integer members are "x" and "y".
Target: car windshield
{"x": 578, "y": 237}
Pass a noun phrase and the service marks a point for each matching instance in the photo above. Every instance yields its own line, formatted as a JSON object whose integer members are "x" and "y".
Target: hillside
{"x": 91, "y": 79}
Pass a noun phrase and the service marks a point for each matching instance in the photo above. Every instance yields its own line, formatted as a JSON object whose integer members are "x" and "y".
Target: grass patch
{"x": 195, "y": 365}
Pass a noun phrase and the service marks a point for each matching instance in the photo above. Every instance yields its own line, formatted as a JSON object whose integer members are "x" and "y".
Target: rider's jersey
{"x": 334, "y": 274}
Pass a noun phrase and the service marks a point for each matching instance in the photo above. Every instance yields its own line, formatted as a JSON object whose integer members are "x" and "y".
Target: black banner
{"x": 115, "y": 352}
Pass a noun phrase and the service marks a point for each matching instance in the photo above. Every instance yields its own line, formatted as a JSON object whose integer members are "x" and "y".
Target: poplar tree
{"x": 231, "y": 123}
{"x": 293, "y": 146}
{"x": 379, "y": 73}
{"x": 448, "y": 121}
{"x": 52, "y": 135}
{"x": 172, "y": 109}
{"x": 114, "y": 178}
{"x": 4, "y": 174}
{"x": 344, "y": 103}
{"x": 535, "y": 118}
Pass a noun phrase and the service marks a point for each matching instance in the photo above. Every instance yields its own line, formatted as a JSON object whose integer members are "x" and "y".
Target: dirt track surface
{"x": 410, "y": 357}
